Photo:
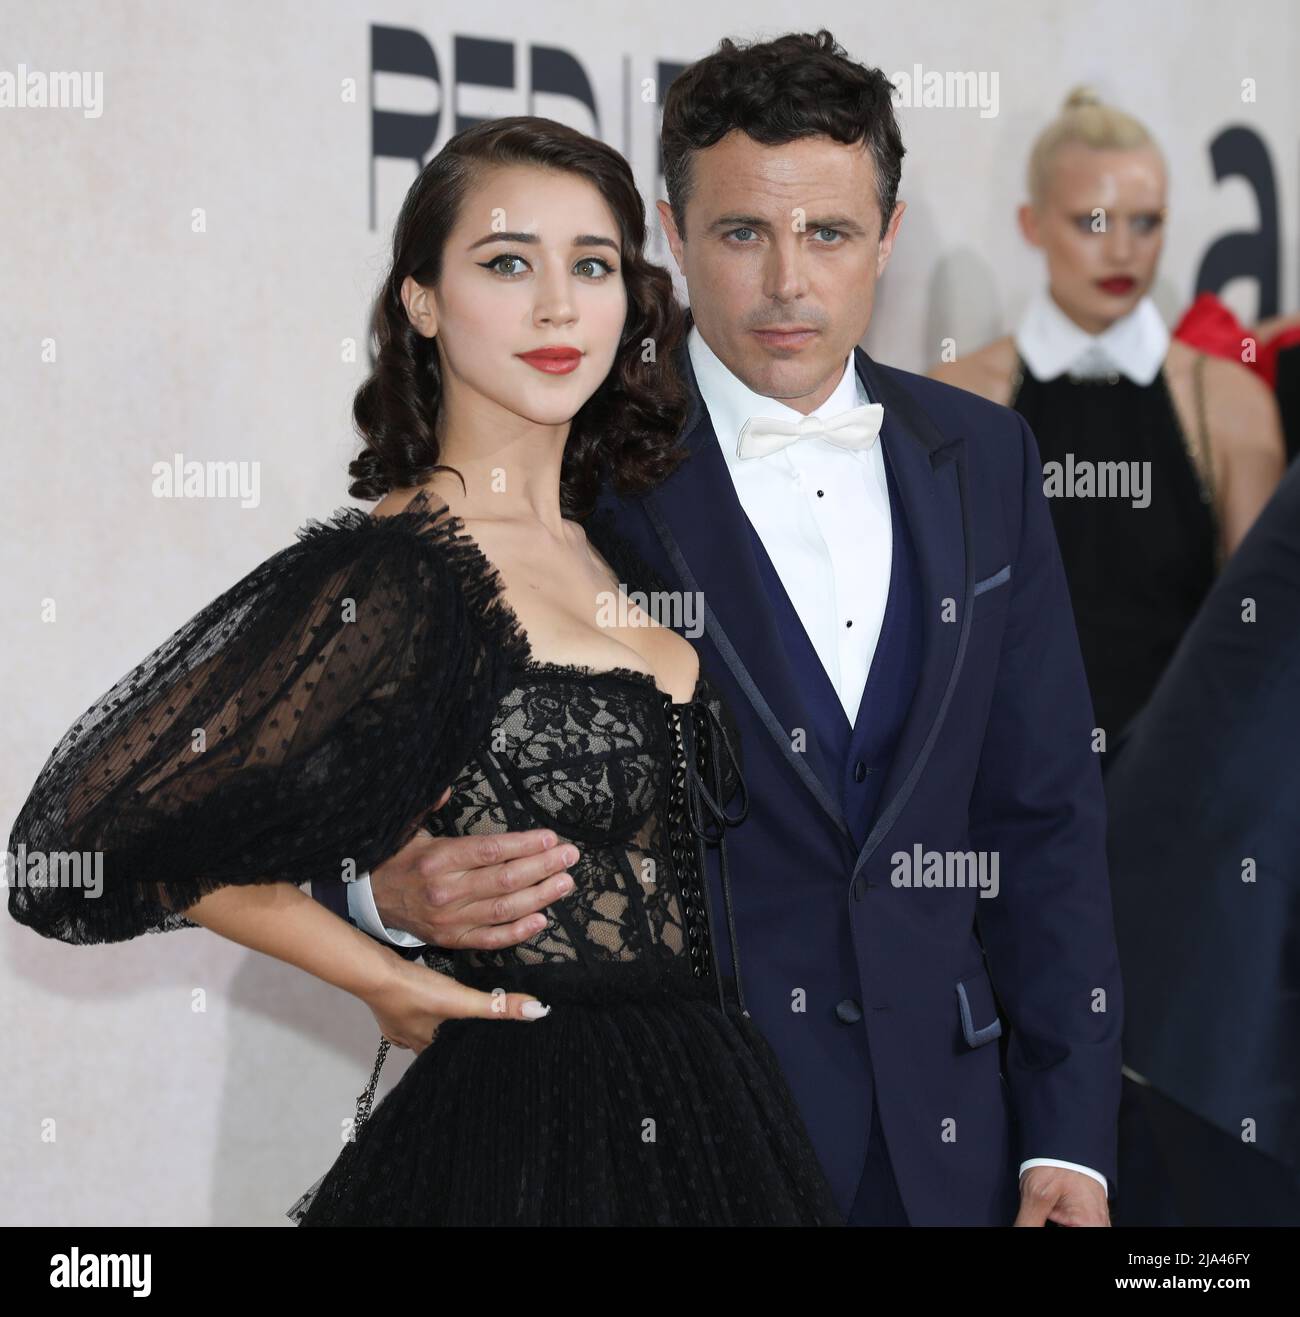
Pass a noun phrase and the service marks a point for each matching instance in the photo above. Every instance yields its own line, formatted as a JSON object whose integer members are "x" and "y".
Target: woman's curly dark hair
{"x": 626, "y": 432}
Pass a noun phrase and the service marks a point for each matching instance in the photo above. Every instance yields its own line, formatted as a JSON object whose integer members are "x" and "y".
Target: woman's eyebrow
{"x": 582, "y": 240}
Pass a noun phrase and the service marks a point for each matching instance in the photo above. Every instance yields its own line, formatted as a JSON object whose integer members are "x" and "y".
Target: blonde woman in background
{"x": 1092, "y": 368}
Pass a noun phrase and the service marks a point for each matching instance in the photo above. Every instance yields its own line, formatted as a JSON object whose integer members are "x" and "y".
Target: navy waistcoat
{"x": 862, "y": 753}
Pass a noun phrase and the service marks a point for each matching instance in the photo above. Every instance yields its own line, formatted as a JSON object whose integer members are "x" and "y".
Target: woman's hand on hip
{"x": 414, "y": 1000}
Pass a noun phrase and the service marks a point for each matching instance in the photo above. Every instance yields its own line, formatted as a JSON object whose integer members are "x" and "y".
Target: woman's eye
{"x": 495, "y": 264}
{"x": 1085, "y": 224}
{"x": 509, "y": 266}
{"x": 1147, "y": 223}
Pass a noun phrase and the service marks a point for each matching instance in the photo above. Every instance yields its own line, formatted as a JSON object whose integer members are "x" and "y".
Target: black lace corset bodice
{"x": 639, "y": 784}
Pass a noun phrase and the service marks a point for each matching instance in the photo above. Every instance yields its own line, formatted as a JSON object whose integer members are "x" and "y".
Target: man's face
{"x": 781, "y": 255}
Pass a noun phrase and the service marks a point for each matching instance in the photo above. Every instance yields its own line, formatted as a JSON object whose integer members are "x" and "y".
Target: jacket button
{"x": 859, "y": 771}
{"x": 859, "y": 887}
{"x": 848, "y": 1011}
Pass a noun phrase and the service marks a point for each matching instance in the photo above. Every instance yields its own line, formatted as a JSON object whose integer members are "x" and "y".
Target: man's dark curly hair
{"x": 627, "y": 431}
{"x": 798, "y": 85}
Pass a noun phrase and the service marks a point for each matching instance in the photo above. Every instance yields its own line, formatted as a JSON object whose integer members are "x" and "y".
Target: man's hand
{"x": 473, "y": 892}
{"x": 1053, "y": 1193}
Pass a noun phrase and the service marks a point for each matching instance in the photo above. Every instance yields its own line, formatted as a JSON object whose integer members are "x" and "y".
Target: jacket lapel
{"x": 930, "y": 471}
{"x": 705, "y": 533}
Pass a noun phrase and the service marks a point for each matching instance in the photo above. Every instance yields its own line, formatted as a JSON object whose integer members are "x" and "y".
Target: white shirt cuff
{"x": 364, "y": 912}
{"x": 1069, "y": 1166}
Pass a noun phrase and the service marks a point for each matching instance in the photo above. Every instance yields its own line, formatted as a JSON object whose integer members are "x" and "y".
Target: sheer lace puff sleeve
{"x": 300, "y": 725}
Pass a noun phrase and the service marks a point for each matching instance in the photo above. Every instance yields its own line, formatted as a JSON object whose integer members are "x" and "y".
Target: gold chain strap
{"x": 1202, "y": 463}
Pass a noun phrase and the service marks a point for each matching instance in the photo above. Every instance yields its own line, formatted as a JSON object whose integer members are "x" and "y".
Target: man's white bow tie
{"x": 855, "y": 428}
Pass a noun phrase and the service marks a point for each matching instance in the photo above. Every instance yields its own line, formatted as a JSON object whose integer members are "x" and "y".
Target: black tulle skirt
{"x": 635, "y": 1102}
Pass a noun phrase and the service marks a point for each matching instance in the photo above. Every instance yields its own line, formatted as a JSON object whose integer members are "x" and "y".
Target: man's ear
{"x": 887, "y": 242}
{"x": 670, "y": 232}
{"x": 420, "y": 310}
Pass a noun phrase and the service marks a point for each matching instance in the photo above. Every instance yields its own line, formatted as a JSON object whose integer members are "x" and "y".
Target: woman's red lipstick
{"x": 552, "y": 361}
{"x": 1119, "y": 284}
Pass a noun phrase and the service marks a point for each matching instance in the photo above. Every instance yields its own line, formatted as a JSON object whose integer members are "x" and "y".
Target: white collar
{"x": 1052, "y": 344}
{"x": 731, "y": 402}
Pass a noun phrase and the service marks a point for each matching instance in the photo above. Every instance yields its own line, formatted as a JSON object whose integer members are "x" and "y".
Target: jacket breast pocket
{"x": 998, "y": 578}
{"x": 977, "y": 1010}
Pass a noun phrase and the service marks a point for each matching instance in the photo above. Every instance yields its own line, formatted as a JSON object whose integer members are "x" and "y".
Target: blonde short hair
{"x": 1087, "y": 119}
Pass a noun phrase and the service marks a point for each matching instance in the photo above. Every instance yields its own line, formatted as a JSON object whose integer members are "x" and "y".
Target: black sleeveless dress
{"x": 1137, "y": 574}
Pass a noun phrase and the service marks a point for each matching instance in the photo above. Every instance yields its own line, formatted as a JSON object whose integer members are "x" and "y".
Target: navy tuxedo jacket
{"x": 986, "y": 1030}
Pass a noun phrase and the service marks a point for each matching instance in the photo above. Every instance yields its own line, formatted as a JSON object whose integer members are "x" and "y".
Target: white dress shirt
{"x": 364, "y": 911}
{"x": 1052, "y": 344}
{"x": 823, "y": 515}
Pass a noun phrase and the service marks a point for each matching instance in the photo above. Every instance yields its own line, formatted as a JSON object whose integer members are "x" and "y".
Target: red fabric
{"x": 1210, "y": 325}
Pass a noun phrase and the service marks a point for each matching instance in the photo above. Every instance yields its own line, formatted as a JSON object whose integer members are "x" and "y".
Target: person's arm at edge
{"x": 1038, "y": 802}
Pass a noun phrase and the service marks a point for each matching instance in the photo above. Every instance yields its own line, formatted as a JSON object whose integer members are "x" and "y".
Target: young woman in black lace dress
{"x": 452, "y": 662}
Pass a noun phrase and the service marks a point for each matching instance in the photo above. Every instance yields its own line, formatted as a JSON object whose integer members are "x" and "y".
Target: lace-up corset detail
{"x": 603, "y": 759}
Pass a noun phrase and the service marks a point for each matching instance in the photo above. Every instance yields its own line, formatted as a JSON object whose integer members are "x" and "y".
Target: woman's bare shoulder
{"x": 987, "y": 371}
{"x": 424, "y": 498}
{"x": 1241, "y": 413}
{"x": 1233, "y": 393}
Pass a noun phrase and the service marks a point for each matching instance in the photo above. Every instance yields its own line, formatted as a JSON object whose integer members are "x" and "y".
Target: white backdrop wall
{"x": 184, "y": 263}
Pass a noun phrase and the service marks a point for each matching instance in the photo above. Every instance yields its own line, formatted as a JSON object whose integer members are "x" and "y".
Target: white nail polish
{"x": 534, "y": 1010}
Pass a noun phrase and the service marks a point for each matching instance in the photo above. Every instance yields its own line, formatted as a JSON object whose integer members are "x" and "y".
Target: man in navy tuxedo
{"x": 920, "y": 887}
